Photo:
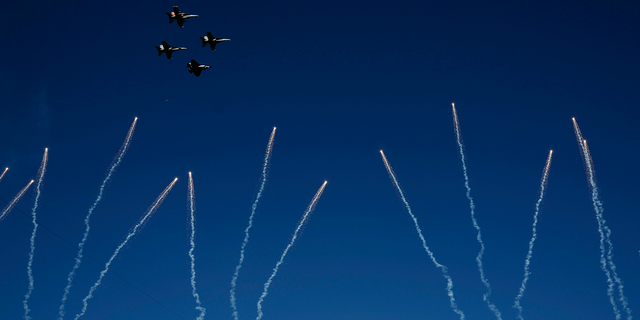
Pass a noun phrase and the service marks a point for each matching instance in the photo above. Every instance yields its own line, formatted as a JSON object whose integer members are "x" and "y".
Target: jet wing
{"x": 197, "y": 72}
{"x": 194, "y": 63}
{"x": 176, "y": 10}
{"x": 165, "y": 44}
{"x": 169, "y": 53}
{"x": 210, "y": 35}
{"x": 180, "y": 22}
{"x": 213, "y": 45}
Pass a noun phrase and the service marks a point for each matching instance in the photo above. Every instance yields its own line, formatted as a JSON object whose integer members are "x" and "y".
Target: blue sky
{"x": 341, "y": 81}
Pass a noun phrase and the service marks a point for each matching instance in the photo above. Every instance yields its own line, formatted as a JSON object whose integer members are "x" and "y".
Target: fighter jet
{"x": 196, "y": 68}
{"x": 179, "y": 16}
{"x": 166, "y": 48}
{"x": 211, "y": 40}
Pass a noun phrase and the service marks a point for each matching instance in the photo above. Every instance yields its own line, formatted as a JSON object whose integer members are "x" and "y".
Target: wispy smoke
{"x": 192, "y": 209}
{"x": 116, "y": 163}
{"x": 606, "y": 262}
{"x": 15, "y": 200}
{"x": 265, "y": 167}
{"x": 543, "y": 186}
{"x": 41, "y": 171}
{"x": 445, "y": 273}
{"x": 304, "y": 219}
{"x": 146, "y": 216}
{"x": 3, "y": 173}
{"x": 487, "y": 294}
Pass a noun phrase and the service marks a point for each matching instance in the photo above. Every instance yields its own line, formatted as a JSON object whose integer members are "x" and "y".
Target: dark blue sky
{"x": 340, "y": 80}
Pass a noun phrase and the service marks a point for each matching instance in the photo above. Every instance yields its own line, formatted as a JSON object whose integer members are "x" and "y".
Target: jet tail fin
{"x": 159, "y": 51}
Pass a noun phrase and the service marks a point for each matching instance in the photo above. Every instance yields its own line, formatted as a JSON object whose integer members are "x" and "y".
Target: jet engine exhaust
{"x": 41, "y": 172}
{"x": 265, "y": 169}
{"x": 15, "y": 200}
{"x": 142, "y": 221}
{"x": 114, "y": 165}
{"x": 305, "y": 218}
{"x": 606, "y": 262}
{"x": 543, "y": 186}
{"x": 472, "y": 206}
{"x": 445, "y": 273}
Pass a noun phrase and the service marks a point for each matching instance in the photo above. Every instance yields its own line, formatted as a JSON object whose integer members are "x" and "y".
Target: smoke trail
{"x": 265, "y": 168}
{"x": 543, "y": 185}
{"x": 472, "y": 206}
{"x": 445, "y": 273}
{"x": 15, "y": 200}
{"x": 144, "y": 219}
{"x": 41, "y": 171}
{"x": 118, "y": 159}
{"x": 305, "y": 217}
{"x": 192, "y": 207}
{"x": 3, "y": 173}
{"x": 603, "y": 229}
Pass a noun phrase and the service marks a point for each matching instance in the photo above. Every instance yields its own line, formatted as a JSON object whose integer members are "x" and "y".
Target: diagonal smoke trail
{"x": 543, "y": 186}
{"x": 305, "y": 218}
{"x": 445, "y": 273}
{"x": 603, "y": 229}
{"x": 472, "y": 206}
{"x": 265, "y": 167}
{"x": 3, "y": 173}
{"x": 116, "y": 163}
{"x": 41, "y": 171}
{"x": 192, "y": 209}
{"x": 15, "y": 200}
{"x": 142, "y": 221}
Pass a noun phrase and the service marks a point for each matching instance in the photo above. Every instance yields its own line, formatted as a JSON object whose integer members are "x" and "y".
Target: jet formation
{"x": 180, "y": 17}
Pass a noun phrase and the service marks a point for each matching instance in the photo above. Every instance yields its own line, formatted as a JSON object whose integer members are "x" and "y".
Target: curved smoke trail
{"x": 472, "y": 206}
{"x": 149, "y": 212}
{"x": 3, "y": 173}
{"x": 305, "y": 217}
{"x": 41, "y": 171}
{"x": 265, "y": 168}
{"x": 445, "y": 273}
{"x": 116, "y": 163}
{"x": 192, "y": 209}
{"x": 543, "y": 185}
{"x": 603, "y": 229}
{"x": 15, "y": 200}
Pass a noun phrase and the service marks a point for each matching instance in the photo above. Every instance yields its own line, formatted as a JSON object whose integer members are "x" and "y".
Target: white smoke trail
{"x": 146, "y": 216}
{"x": 3, "y": 173}
{"x": 192, "y": 207}
{"x": 41, "y": 171}
{"x": 265, "y": 168}
{"x": 603, "y": 229}
{"x": 15, "y": 200}
{"x": 543, "y": 185}
{"x": 472, "y": 206}
{"x": 445, "y": 273}
{"x": 118, "y": 159}
{"x": 305, "y": 217}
